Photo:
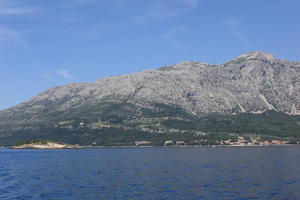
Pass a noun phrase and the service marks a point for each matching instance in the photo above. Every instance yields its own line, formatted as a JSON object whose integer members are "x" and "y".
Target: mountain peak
{"x": 146, "y": 102}
{"x": 257, "y": 55}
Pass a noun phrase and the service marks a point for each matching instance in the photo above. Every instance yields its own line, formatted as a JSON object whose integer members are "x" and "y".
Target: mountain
{"x": 252, "y": 83}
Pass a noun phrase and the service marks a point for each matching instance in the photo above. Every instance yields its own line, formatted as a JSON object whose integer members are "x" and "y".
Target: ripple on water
{"x": 151, "y": 173}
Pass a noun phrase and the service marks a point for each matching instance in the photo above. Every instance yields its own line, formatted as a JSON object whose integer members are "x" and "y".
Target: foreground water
{"x": 151, "y": 173}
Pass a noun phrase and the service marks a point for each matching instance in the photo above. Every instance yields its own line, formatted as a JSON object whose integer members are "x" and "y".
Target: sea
{"x": 151, "y": 173}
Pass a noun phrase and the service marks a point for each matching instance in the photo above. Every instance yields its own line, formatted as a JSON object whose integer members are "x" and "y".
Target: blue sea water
{"x": 151, "y": 173}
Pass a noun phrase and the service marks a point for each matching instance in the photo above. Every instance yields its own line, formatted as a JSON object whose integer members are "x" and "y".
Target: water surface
{"x": 151, "y": 173}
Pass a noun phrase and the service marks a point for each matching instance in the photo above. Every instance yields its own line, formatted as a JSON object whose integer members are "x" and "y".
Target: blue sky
{"x": 45, "y": 43}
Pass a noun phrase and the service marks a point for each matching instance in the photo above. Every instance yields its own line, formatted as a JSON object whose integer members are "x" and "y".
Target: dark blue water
{"x": 151, "y": 173}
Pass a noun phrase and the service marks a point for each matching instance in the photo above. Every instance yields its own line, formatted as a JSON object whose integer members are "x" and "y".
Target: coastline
{"x": 194, "y": 146}
{"x": 45, "y": 145}
{"x": 185, "y": 146}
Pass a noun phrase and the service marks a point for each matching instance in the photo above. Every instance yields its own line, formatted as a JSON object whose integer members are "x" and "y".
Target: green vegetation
{"x": 32, "y": 142}
{"x": 110, "y": 137}
{"x": 119, "y": 123}
{"x": 270, "y": 123}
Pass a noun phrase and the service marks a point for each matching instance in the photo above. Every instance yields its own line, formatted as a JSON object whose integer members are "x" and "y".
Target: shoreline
{"x": 186, "y": 146}
{"x": 195, "y": 146}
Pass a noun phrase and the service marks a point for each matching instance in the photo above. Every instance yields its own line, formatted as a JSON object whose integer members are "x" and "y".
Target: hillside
{"x": 254, "y": 93}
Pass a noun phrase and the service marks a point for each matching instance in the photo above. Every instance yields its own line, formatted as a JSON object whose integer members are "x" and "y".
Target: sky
{"x": 46, "y": 43}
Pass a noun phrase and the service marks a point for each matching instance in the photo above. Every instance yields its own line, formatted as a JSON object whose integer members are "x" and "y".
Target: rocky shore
{"x": 45, "y": 145}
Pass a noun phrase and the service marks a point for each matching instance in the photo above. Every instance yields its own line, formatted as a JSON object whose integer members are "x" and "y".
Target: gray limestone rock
{"x": 252, "y": 83}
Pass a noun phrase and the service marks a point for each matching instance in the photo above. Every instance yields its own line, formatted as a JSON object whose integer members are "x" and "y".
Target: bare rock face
{"x": 252, "y": 83}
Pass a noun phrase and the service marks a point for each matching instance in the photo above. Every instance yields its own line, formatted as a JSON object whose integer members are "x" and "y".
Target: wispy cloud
{"x": 171, "y": 36}
{"x": 57, "y": 76}
{"x": 11, "y": 37}
{"x": 65, "y": 74}
{"x": 87, "y": 1}
{"x": 234, "y": 27}
{"x": 95, "y": 31}
{"x": 49, "y": 78}
{"x": 191, "y": 3}
{"x": 14, "y": 7}
{"x": 155, "y": 13}
{"x": 167, "y": 9}
{"x": 116, "y": 2}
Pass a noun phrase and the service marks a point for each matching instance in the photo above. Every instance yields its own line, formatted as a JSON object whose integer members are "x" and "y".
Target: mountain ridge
{"x": 253, "y": 55}
{"x": 134, "y": 82}
{"x": 252, "y": 83}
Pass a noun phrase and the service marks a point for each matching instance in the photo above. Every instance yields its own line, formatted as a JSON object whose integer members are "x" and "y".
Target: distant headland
{"x": 43, "y": 144}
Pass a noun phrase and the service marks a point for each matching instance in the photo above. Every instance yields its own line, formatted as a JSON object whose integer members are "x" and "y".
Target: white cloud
{"x": 172, "y": 35}
{"x": 156, "y": 12}
{"x": 9, "y": 34}
{"x": 234, "y": 27}
{"x": 191, "y": 3}
{"x": 167, "y": 9}
{"x": 13, "y": 7}
{"x": 11, "y": 37}
{"x": 11, "y": 11}
{"x": 57, "y": 76}
{"x": 49, "y": 77}
{"x": 88, "y": 1}
{"x": 95, "y": 31}
{"x": 65, "y": 73}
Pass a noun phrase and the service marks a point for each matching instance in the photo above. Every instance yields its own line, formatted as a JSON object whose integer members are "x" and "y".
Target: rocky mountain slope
{"x": 251, "y": 83}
